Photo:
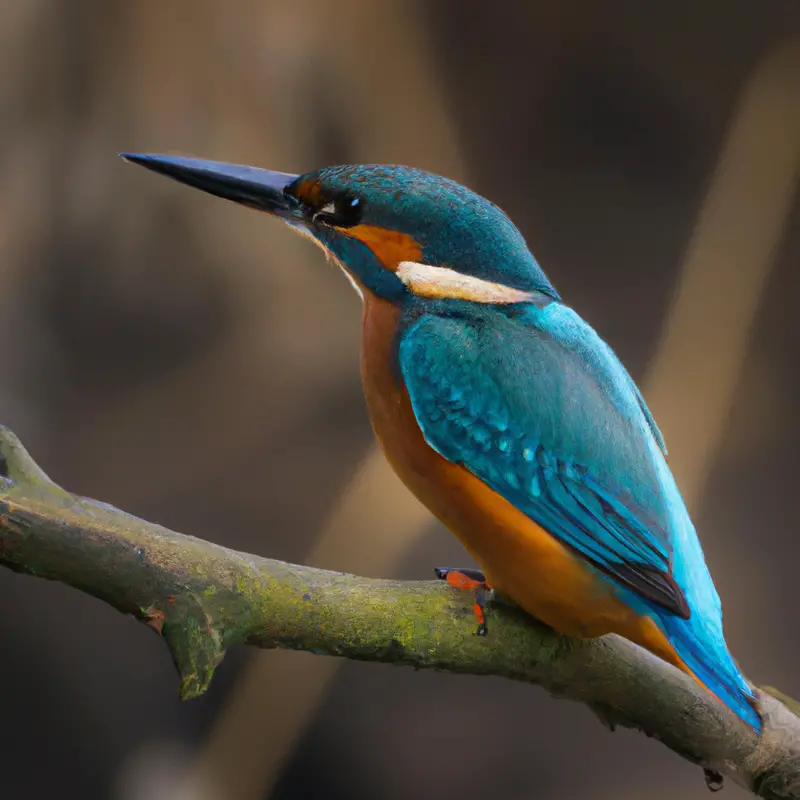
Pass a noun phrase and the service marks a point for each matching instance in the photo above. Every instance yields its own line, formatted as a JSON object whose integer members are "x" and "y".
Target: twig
{"x": 202, "y": 599}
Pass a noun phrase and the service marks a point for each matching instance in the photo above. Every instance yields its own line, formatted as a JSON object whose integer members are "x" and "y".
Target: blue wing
{"x": 533, "y": 403}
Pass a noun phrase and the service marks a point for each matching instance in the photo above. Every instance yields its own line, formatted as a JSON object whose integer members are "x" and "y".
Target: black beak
{"x": 261, "y": 189}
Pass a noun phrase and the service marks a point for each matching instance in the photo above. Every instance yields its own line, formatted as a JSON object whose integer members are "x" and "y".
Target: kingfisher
{"x": 503, "y": 411}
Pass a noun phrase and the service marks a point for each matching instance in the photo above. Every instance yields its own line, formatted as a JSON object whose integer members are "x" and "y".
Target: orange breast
{"x": 519, "y": 557}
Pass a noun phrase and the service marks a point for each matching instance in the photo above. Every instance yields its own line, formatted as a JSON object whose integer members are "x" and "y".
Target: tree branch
{"x": 202, "y": 599}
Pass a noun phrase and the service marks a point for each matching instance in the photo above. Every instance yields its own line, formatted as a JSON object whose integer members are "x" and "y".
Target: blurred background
{"x": 195, "y": 364}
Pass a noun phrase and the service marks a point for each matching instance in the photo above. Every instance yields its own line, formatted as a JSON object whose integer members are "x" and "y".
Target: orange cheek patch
{"x": 389, "y": 247}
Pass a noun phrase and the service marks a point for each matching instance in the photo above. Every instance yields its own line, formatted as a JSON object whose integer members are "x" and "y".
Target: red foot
{"x": 461, "y": 581}
{"x": 470, "y": 580}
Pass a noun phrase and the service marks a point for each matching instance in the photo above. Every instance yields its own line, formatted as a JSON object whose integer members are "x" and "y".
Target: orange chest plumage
{"x": 519, "y": 558}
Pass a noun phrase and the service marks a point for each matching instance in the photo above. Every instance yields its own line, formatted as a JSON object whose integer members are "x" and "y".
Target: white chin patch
{"x": 440, "y": 282}
{"x": 303, "y": 231}
{"x": 352, "y": 280}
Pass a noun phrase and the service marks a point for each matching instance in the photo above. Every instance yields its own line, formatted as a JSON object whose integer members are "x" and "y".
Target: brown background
{"x": 186, "y": 360}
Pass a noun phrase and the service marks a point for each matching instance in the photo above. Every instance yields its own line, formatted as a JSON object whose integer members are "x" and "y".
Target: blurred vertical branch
{"x": 27, "y": 157}
{"x": 279, "y": 692}
{"x": 692, "y": 380}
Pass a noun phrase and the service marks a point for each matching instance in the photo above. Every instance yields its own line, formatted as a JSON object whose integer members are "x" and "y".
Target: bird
{"x": 503, "y": 411}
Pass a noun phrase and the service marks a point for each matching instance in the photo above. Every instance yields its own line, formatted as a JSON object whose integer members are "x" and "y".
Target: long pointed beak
{"x": 261, "y": 189}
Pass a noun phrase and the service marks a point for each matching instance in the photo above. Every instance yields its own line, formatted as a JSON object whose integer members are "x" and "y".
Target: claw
{"x": 714, "y": 780}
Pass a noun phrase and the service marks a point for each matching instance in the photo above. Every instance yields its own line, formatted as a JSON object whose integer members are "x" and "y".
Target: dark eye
{"x": 343, "y": 211}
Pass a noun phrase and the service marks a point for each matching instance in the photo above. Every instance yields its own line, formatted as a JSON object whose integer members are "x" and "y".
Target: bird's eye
{"x": 342, "y": 212}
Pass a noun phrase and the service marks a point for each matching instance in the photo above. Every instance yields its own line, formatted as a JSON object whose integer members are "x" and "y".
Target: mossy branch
{"x": 202, "y": 599}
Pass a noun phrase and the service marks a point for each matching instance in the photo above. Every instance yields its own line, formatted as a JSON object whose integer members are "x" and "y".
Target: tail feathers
{"x": 714, "y": 668}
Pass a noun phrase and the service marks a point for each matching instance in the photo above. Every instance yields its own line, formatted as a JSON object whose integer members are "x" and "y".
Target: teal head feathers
{"x": 396, "y": 230}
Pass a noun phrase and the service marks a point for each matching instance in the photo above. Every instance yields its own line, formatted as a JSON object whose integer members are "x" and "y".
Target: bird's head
{"x": 396, "y": 231}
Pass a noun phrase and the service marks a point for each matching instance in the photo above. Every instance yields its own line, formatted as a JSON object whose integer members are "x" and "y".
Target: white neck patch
{"x": 352, "y": 281}
{"x": 303, "y": 231}
{"x": 439, "y": 282}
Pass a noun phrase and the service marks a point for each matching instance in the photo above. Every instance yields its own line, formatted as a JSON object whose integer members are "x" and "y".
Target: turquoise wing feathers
{"x": 569, "y": 442}
{"x": 531, "y": 401}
